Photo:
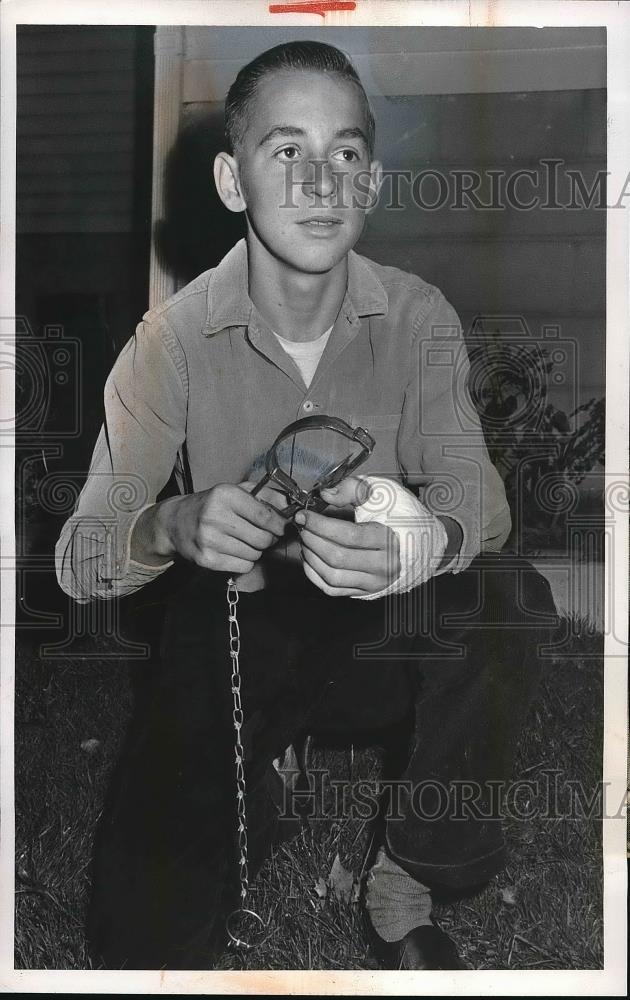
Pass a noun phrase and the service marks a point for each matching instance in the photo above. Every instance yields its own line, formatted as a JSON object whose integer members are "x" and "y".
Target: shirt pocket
{"x": 384, "y": 428}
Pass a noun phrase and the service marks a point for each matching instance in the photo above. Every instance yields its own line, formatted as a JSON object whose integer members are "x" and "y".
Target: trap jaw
{"x": 298, "y": 497}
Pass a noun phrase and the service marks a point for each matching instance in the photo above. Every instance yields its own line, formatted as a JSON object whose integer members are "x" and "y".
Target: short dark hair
{"x": 306, "y": 55}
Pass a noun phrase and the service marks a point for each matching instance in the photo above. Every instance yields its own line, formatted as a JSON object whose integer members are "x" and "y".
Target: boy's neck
{"x": 298, "y": 306}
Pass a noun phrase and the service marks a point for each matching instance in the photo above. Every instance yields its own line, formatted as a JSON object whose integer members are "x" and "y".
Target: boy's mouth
{"x": 321, "y": 222}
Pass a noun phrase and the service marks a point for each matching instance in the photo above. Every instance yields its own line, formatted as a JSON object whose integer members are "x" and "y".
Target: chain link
{"x": 237, "y": 718}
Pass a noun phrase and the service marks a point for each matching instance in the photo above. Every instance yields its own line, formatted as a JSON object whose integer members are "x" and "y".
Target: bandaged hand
{"x": 394, "y": 545}
{"x": 342, "y": 558}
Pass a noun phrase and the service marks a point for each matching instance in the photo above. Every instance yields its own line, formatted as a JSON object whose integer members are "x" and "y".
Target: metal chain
{"x": 237, "y": 718}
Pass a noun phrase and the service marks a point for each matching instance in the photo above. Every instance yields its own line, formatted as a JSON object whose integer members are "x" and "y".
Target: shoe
{"x": 288, "y": 781}
{"x": 289, "y": 823}
{"x": 425, "y": 947}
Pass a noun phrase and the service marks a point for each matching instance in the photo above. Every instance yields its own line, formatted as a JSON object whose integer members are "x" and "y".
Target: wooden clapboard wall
{"x": 84, "y": 146}
{"x": 76, "y": 121}
{"x": 449, "y": 99}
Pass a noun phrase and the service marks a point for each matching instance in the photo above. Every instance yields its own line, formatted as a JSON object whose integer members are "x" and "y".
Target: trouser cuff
{"x": 469, "y": 873}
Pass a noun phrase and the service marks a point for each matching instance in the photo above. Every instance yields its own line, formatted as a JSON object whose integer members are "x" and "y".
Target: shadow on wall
{"x": 197, "y": 230}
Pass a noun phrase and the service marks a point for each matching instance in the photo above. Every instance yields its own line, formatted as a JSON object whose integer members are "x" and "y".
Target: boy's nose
{"x": 320, "y": 178}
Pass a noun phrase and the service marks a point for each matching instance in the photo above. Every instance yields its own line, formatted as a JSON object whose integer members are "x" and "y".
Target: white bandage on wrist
{"x": 421, "y": 535}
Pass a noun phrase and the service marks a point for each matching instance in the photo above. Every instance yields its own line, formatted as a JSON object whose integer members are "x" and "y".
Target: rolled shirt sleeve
{"x": 441, "y": 444}
{"x": 134, "y": 456}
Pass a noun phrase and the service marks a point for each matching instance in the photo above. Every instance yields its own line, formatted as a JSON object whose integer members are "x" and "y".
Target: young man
{"x": 294, "y": 323}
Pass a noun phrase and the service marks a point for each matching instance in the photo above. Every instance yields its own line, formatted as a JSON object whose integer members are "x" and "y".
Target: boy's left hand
{"x": 342, "y": 558}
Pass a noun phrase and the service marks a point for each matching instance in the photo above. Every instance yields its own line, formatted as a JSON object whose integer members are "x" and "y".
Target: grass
{"x": 543, "y": 912}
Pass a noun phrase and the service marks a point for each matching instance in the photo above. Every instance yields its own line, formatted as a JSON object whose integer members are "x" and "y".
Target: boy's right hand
{"x": 223, "y": 529}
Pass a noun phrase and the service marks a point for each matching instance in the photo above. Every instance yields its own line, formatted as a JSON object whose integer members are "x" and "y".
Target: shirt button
{"x": 307, "y": 406}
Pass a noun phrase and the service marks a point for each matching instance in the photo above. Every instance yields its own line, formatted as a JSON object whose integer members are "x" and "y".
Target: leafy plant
{"x": 541, "y": 452}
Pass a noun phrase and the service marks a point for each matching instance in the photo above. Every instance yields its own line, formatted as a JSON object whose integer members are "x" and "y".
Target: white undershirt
{"x": 305, "y": 354}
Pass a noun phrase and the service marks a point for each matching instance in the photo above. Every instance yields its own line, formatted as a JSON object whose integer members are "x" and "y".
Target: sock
{"x": 288, "y": 767}
{"x": 395, "y": 901}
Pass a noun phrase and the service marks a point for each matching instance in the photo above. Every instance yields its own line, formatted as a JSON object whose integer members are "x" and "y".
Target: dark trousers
{"x": 456, "y": 660}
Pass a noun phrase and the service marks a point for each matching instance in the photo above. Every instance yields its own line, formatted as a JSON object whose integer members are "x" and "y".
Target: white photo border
{"x": 609, "y": 981}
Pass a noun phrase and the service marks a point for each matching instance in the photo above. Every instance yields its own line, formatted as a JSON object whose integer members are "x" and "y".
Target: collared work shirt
{"x": 203, "y": 388}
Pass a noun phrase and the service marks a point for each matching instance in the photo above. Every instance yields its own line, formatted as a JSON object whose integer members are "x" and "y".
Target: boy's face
{"x": 304, "y": 168}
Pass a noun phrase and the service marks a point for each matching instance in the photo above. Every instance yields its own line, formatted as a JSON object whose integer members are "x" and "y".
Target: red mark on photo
{"x": 322, "y": 7}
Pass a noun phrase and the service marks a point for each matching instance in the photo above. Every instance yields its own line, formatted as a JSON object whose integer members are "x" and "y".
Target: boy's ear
{"x": 227, "y": 180}
{"x": 376, "y": 179}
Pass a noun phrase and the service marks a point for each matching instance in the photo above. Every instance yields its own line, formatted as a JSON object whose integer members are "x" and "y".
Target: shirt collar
{"x": 229, "y": 303}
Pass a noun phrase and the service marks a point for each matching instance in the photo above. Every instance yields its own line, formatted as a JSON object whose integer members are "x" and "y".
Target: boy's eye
{"x": 346, "y": 155}
{"x": 287, "y": 153}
